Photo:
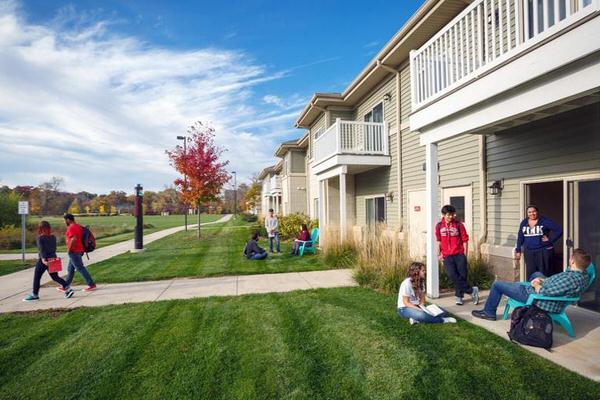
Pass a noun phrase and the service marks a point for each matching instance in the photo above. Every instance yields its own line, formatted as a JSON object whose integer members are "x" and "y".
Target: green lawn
{"x": 114, "y": 229}
{"x": 219, "y": 252}
{"x": 8, "y": 267}
{"x": 321, "y": 344}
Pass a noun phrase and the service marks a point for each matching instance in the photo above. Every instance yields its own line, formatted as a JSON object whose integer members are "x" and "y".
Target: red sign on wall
{"x": 417, "y": 208}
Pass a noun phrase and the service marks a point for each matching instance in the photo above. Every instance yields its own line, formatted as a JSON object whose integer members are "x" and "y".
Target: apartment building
{"x": 488, "y": 105}
{"x": 294, "y": 197}
{"x": 271, "y": 195}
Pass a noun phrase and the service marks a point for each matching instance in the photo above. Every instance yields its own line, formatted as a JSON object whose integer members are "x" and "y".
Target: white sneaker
{"x": 413, "y": 321}
{"x": 458, "y": 301}
{"x": 449, "y": 320}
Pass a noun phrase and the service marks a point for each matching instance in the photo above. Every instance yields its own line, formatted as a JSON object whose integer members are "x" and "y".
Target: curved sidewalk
{"x": 139, "y": 292}
{"x": 19, "y": 283}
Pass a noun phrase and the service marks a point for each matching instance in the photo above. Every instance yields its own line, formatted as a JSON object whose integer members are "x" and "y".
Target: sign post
{"x": 23, "y": 211}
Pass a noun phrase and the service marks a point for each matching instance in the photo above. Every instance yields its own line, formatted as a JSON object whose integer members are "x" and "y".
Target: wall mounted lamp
{"x": 387, "y": 97}
{"x": 496, "y": 187}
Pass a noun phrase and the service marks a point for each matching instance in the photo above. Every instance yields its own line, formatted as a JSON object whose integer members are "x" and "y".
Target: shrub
{"x": 337, "y": 253}
{"x": 9, "y": 206}
{"x": 479, "y": 274}
{"x": 289, "y": 225}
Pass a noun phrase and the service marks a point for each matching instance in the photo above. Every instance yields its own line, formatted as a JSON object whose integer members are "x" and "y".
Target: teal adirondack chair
{"x": 309, "y": 246}
{"x": 561, "y": 318}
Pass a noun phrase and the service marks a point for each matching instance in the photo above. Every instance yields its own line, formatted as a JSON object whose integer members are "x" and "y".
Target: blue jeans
{"x": 276, "y": 238}
{"x": 419, "y": 315}
{"x": 258, "y": 256}
{"x": 76, "y": 263}
{"x": 514, "y": 290}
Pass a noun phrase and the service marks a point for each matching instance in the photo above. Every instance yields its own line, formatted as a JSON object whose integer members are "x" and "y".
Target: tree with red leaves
{"x": 202, "y": 166}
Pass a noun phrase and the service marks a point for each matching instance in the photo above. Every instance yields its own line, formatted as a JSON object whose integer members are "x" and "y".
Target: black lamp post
{"x": 184, "y": 176}
{"x": 139, "y": 216}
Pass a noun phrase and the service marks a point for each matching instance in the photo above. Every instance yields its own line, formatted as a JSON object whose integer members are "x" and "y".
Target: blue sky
{"x": 105, "y": 86}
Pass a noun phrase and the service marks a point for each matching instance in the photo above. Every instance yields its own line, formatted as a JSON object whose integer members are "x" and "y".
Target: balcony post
{"x": 431, "y": 180}
{"x": 343, "y": 206}
{"x": 321, "y": 210}
{"x": 338, "y": 141}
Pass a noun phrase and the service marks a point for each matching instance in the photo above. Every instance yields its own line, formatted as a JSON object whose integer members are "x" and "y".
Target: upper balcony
{"x": 275, "y": 185}
{"x": 358, "y": 145}
{"x": 505, "y": 42}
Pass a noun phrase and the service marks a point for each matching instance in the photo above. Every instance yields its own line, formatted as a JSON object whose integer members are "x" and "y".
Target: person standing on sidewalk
{"x": 271, "y": 224}
{"x": 453, "y": 240}
{"x": 75, "y": 248}
{"x": 46, "y": 243}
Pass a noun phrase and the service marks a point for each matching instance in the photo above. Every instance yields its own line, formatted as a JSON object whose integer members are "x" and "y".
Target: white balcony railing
{"x": 275, "y": 184}
{"x": 483, "y": 35}
{"x": 352, "y": 137}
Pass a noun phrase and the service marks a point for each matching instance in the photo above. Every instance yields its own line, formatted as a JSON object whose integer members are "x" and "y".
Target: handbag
{"x": 54, "y": 265}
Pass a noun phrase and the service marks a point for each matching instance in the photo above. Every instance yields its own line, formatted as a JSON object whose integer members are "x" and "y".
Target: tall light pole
{"x": 185, "y": 214}
{"x": 234, "y": 194}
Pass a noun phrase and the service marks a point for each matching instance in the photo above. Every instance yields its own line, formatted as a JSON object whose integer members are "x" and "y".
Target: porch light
{"x": 496, "y": 187}
{"x": 390, "y": 196}
{"x": 387, "y": 97}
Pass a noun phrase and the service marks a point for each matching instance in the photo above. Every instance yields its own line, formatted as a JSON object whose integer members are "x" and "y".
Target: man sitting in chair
{"x": 570, "y": 283}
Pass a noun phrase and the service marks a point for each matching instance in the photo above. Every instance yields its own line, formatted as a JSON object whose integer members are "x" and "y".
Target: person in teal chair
{"x": 570, "y": 283}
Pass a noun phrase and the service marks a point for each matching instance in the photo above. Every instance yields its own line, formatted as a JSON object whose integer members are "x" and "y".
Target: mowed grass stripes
{"x": 218, "y": 252}
{"x": 320, "y": 344}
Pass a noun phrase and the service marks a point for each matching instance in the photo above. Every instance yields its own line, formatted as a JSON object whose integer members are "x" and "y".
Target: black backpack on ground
{"x": 531, "y": 326}
{"x": 88, "y": 239}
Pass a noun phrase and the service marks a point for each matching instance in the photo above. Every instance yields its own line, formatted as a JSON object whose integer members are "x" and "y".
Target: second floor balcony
{"x": 362, "y": 145}
{"x": 275, "y": 185}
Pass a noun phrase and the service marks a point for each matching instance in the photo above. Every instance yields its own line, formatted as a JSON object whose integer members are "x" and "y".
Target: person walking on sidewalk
{"x": 75, "y": 248}
{"x": 538, "y": 235}
{"x": 453, "y": 240}
{"x": 272, "y": 225}
{"x": 46, "y": 244}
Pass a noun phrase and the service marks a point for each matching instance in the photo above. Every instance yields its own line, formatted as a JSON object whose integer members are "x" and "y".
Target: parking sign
{"x": 23, "y": 207}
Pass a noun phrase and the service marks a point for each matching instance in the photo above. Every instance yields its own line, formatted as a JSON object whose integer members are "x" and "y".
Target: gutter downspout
{"x": 482, "y": 194}
{"x": 399, "y": 139}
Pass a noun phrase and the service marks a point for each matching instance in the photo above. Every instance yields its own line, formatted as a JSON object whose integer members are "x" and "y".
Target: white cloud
{"x": 99, "y": 109}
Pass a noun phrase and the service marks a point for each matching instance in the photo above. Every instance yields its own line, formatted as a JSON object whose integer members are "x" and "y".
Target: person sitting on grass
{"x": 412, "y": 295}
{"x": 453, "y": 241}
{"x": 569, "y": 283}
{"x": 253, "y": 251}
{"x": 303, "y": 236}
{"x": 46, "y": 243}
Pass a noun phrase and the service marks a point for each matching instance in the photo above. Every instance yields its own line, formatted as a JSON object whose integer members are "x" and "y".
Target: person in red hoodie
{"x": 303, "y": 236}
{"x": 453, "y": 240}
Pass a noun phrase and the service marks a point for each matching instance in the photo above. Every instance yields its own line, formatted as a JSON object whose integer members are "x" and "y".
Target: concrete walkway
{"x": 19, "y": 283}
{"x": 579, "y": 355}
{"x": 138, "y": 292}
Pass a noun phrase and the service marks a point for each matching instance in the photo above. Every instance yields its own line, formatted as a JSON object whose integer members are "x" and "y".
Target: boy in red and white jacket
{"x": 453, "y": 240}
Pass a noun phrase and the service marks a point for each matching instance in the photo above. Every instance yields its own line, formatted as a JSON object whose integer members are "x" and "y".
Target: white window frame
{"x": 372, "y": 197}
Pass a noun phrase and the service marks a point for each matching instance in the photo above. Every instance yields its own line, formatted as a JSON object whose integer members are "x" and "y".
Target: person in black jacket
{"x": 253, "y": 251}
{"x": 46, "y": 243}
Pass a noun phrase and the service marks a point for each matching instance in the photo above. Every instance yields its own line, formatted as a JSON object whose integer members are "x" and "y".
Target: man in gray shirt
{"x": 272, "y": 225}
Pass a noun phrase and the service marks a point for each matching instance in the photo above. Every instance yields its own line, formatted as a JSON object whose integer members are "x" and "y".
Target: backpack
{"x": 88, "y": 239}
{"x": 531, "y": 326}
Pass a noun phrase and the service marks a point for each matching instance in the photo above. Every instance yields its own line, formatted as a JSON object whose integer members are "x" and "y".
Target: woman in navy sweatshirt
{"x": 538, "y": 234}
{"x": 46, "y": 243}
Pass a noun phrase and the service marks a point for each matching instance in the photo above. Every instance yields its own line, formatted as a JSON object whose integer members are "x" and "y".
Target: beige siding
{"x": 343, "y": 115}
{"x": 297, "y": 194}
{"x": 296, "y": 162}
{"x": 376, "y": 182}
{"x": 558, "y": 146}
{"x": 375, "y": 97}
{"x": 413, "y": 175}
{"x": 319, "y": 124}
{"x": 405, "y": 94}
{"x": 459, "y": 166}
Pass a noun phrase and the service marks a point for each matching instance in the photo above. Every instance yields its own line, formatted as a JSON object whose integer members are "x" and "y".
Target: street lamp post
{"x": 139, "y": 218}
{"x": 234, "y": 194}
{"x": 185, "y": 214}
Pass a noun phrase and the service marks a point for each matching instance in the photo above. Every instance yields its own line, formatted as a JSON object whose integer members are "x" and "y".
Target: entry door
{"x": 583, "y": 229}
{"x": 417, "y": 224}
{"x": 462, "y": 199}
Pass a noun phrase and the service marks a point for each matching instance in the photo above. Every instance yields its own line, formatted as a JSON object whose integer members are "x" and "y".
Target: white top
{"x": 406, "y": 289}
{"x": 271, "y": 224}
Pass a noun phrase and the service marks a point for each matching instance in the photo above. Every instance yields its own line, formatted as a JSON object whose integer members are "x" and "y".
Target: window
{"x": 375, "y": 210}
{"x": 376, "y": 114}
{"x": 316, "y": 210}
{"x": 459, "y": 203}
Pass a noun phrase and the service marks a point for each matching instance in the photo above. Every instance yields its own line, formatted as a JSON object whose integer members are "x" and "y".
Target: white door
{"x": 417, "y": 224}
{"x": 462, "y": 199}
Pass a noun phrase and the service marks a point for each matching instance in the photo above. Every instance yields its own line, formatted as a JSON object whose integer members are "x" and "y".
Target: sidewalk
{"x": 138, "y": 292}
{"x": 579, "y": 355}
{"x": 19, "y": 283}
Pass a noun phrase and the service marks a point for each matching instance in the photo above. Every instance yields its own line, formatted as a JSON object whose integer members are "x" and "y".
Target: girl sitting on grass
{"x": 412, "y": 295}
